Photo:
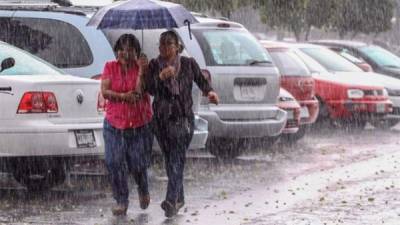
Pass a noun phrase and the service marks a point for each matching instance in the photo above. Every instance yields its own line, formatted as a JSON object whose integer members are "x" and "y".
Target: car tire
{"x": 225, "y": 148}
{"x": 384, "y": 124}
{"x": 323, "y": 118}
{"x": 38, "y": 177}
{"x": 293, "y": 138}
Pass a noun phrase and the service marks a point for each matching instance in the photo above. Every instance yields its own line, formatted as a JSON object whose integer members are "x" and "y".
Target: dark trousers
{"x": 127, "y": 152}
{"x": 174, "y": 138}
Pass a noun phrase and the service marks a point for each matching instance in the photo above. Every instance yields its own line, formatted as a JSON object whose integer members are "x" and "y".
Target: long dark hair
{"x": 129, "y": 39}
{"x": 171, "y": 35}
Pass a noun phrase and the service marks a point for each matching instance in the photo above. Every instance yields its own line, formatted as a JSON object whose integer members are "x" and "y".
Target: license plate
{"x": 248, "y": 92}
{"x": 304, "y": 112}
{"x": 380, "y": 108}
{"x": 85, "y": 138}
{"x": 290, "y": 115}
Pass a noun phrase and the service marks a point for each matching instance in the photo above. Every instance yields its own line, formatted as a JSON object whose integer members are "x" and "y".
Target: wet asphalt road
{"x": 329, "y": 177}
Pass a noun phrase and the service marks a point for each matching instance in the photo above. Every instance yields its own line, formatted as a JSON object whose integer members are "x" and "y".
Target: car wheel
{"x": 293, "y": 138}
{"x": 39, "y": 178}
{"x": 384, "y": 124}
{"x": 225, "y": 148}
{"x": 323, "y": 118}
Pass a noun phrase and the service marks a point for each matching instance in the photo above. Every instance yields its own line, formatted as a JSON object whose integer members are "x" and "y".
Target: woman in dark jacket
{"x": 170, "y": 80}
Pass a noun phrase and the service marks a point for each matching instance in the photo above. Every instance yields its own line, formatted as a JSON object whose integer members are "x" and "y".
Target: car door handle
{"x": 5, "y": 89}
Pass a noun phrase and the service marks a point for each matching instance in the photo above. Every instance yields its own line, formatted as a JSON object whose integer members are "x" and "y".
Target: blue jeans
{"x": 174, "y": 139}
{"x": 127, "y": 151}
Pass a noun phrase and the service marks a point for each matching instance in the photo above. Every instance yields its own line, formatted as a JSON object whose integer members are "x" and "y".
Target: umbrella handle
{"x": 188, "y": 24}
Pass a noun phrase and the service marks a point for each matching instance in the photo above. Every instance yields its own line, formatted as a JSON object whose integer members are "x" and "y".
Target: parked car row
{"x": 268, "y": 90}
{"x": 239, "y": 68}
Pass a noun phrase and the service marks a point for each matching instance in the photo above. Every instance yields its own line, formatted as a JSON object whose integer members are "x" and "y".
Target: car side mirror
{"x": 7, "y": 64}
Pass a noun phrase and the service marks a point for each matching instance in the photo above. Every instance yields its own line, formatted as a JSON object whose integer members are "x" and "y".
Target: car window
{"x": 330, "y": 60}
{"x": 55, "y": 41}
{"x": 381, "y": 56}
{"x": 289, "y": 63}
{"x": 350, "y": 57}
{"x": 25, "y": 64}
{"x": 230, "y": 48}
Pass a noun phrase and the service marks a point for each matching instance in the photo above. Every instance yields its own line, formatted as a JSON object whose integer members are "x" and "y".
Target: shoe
{"x": 119, "y": 210}
{"x": 144, "y": 201}
{"x": 179, "y": 205}
{"x": 169, "y": 209}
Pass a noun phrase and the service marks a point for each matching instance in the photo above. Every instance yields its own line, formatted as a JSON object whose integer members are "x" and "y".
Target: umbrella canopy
{"x": 142, "y": 14}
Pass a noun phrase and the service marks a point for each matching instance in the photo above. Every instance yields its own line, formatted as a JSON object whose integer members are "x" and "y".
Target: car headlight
{"x": 385, "y": 92}
{"x": 355, "y": 93}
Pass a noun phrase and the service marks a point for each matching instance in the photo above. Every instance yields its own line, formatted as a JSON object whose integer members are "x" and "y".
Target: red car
{"x": 288, "y": 103}
{"x": 346, "y": 99}
{"x": 297, "y": 79}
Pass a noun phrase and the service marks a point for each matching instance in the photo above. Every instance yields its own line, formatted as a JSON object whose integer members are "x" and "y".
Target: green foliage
{"x": 360, "y": 16}
{"x": 225, "y": 7}
{"x": 284, "y": 14}
{"x": 356, "y": 16}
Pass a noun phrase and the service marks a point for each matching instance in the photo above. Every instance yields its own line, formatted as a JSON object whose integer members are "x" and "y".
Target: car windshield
{"x": 311, "y": 64}
{"x": 330, "y": 60}
{"x": 289, "y": 63}
{"x": 25, "y": 63}
{"x": 231, "y": 48}
{"x": 381, "y": 56}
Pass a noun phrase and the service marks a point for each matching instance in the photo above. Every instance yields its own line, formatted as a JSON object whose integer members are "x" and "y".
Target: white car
{"x": 48, "y": 119}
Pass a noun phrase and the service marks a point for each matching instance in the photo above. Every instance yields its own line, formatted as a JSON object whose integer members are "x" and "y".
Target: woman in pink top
{"x": 127, "y": 134}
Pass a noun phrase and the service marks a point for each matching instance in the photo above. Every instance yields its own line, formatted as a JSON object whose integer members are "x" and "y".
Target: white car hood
{"x": 384, "y": 80}
{"x": 348, "y": 78}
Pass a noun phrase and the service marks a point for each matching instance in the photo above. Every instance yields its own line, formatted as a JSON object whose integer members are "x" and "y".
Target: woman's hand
{"x": 213, "y": 97}
{"x": 167, "y": 72}
{"x": 131, "y": 97}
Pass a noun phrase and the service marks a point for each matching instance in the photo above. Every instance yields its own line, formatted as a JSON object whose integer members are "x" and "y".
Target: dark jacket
{"x": 169, "y": 106}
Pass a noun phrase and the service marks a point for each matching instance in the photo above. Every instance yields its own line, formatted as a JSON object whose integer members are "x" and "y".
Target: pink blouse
{"x": 124, "y": 115}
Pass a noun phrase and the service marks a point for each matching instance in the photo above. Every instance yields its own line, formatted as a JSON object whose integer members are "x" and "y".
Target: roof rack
{"x": 46, "y": 5}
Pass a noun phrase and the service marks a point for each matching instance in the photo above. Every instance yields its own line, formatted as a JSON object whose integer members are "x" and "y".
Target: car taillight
{"x": 101, "y": 103}
{"x": 38, "y": 102}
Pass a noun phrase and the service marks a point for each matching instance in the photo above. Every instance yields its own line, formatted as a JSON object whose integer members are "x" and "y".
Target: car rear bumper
{"x": 311, "y": 109}
{"x": 54, "y": 140}
{"x": 270, "y": 122}
{"x": 351, "y": 108}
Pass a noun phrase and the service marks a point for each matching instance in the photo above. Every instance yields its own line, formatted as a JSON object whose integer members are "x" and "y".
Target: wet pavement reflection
{"x": 329, "y": 177}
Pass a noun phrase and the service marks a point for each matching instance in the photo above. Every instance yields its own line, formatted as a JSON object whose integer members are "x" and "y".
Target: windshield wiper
{"x": 392, "y": 66}
{"x": 254, "y": 62}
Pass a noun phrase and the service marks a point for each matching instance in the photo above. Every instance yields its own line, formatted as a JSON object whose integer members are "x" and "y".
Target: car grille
{"x": 394, "y": 92}
{"x": 291, "y": 123}
{"x": 396, "y": 111}
{"x": 373, "y": 92}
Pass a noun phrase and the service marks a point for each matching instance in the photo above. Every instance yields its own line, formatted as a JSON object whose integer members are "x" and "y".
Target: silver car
{"x": 240, "y": 71}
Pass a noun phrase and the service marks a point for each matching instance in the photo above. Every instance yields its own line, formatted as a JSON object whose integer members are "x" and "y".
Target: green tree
{"x": 360, "y": 16}
{"x": 224, "y": 7}
{"x": 284, "y": 14}
{"x": 319, "y": 14}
